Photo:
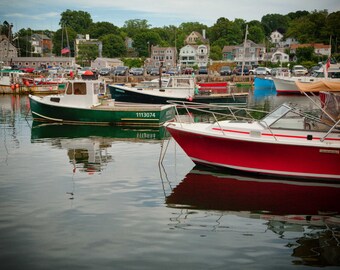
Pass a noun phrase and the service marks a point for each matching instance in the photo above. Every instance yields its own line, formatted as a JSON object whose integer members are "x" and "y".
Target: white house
{"x": 100, "y": 62}
{"x": 279, "y": 57}
{"x": 191, "y": 55}
{"x": 276, "y": 37}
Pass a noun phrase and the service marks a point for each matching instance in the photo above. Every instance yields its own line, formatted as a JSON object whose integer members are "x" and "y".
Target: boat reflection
{"x": 87, "y": 145}
{"x": 309, "y": 209}
{"x": 54, "y": 130}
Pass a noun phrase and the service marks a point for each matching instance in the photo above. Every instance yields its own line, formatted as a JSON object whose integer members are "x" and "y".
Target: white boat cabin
{"x": 80, "y": 93}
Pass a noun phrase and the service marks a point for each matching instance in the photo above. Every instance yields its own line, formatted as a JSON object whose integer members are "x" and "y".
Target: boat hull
{"x": 131, "y": 116}
{"x": 264, "y": 157}
{"x": 122, "y": 94}
{"x": 260, "y": 82}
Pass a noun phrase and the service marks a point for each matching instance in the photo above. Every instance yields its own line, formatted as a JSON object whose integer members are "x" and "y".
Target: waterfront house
{"x": 228, "y": 54}
{"x": 195, "y": 38}
{"x": 279, "y": 57}
{"x": 319, "y": 48}
{"x": 276, "y": 38}
{"x": 165, "y": 55}
{"x": 41, "y": 44}
{"x": 100, "y": 62}
{"x": 191, "y": 55}
{"x": 44, "y": 61}
{"x": 7, "y": 51}
{"x": 251, "y": 53}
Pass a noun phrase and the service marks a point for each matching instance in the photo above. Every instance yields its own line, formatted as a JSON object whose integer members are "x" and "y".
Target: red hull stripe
{"x": 274, "y": 135}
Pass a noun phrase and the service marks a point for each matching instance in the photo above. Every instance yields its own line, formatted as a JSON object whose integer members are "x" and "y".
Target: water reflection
{"x": 87, "y": 145}
{"x": 306, "y": 214}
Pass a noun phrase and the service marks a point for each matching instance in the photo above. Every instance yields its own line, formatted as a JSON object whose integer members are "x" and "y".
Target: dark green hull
{"x": 153, "y": 116}
{"x": 133, "y": 96}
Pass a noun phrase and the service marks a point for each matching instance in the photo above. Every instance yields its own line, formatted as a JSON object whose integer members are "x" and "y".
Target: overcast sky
{"x": 38, "y": 14}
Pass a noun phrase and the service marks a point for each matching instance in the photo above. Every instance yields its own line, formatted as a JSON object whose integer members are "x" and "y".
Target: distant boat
{"x": 264, "y": 83}
{"x": 80, "y": 104}
{"x": 176, "y": 88}
{"x": 286, "y": 84}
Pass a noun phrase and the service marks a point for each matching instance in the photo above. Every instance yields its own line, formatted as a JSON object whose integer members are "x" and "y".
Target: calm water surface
{"x": 96, "y": 198}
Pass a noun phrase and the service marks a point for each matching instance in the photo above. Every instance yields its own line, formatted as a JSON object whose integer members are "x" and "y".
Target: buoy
{"x": 12, "y": 86}
{"x": 190, "y": 98}
{"x": 27, "y": 83}
{"x": 51, "y": 88}
{"x": 17, "y": 85}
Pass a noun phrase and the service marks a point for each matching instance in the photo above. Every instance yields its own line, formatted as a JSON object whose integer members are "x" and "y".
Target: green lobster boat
{"x": 84, "y": 102}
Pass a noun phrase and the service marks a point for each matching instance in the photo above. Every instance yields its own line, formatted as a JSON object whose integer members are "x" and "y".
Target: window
{"x": 79, "y": 88}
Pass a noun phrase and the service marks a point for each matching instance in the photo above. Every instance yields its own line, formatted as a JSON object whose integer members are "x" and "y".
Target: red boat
{"x": 285, "y": 142}
{"x": 214, "y": 87}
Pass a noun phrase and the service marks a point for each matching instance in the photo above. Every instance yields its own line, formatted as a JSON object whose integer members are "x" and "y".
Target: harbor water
{"x": 75, "y": 197}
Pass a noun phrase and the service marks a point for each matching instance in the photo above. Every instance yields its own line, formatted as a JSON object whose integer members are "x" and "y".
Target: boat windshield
{"x": 275, "y": 115}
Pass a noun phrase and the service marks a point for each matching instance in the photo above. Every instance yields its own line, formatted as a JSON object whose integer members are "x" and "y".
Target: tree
{"x": 113, "y": 46}
{"x": 102, "y": 28}
{"x": 302, "y": 29}
{"x": 133, "y": 27}
{"x": 220, "y": 30}
{"x": 87, "y": 53}
{"x": 79, "y": 21}
{"x": 256, "y": 33}
{"x": 215, "y": 52}
{"x": 272, "y": 22}
{"x": 189, "y": 27}
{"x": 144, "y": 40}
{"x": 304, "y": 54}
{"x": 333, "y": 29}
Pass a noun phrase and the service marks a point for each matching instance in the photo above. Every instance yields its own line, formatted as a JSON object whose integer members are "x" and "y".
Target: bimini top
{"x": 323, "y": 85}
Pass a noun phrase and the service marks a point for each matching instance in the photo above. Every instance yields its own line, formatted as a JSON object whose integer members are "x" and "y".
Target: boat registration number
{"x": 146, "y": 115}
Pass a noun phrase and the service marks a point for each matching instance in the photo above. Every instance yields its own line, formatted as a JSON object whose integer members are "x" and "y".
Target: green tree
{"x": 302, "y": 29}
{"x": 143, "y": 42}
{"x": 304, "y": 54}
{"x": 79, "y": 21}
{"x": 333, "y": 29}
{"x": 220, "y": 30}
{"x": 99, "y": 29}
{"x": 134, "y": 27}
{"x": 189, "y": 27}
{"x": 23, "y": 43}
{"x": 216, "y": 52}
{"x": 87, "y": 53}
{"x": 256, "y": 33}
{"x": 272, "y": 22}
{"x": 113, "y": 46}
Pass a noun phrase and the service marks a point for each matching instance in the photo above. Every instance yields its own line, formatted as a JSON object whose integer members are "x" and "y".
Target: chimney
{"x": 203, "y": 33}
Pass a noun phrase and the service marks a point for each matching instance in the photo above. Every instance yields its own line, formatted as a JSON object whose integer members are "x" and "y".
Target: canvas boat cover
{"x": 323, "y": 85}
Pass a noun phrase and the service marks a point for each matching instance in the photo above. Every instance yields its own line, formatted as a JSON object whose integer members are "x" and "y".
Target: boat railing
{"x": 218, "y": 112}
{"x": 214, "y": 113}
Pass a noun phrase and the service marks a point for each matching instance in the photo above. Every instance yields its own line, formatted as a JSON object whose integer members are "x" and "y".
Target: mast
{"x": 67, "y": 43}
{"x": 244, "y": 49}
